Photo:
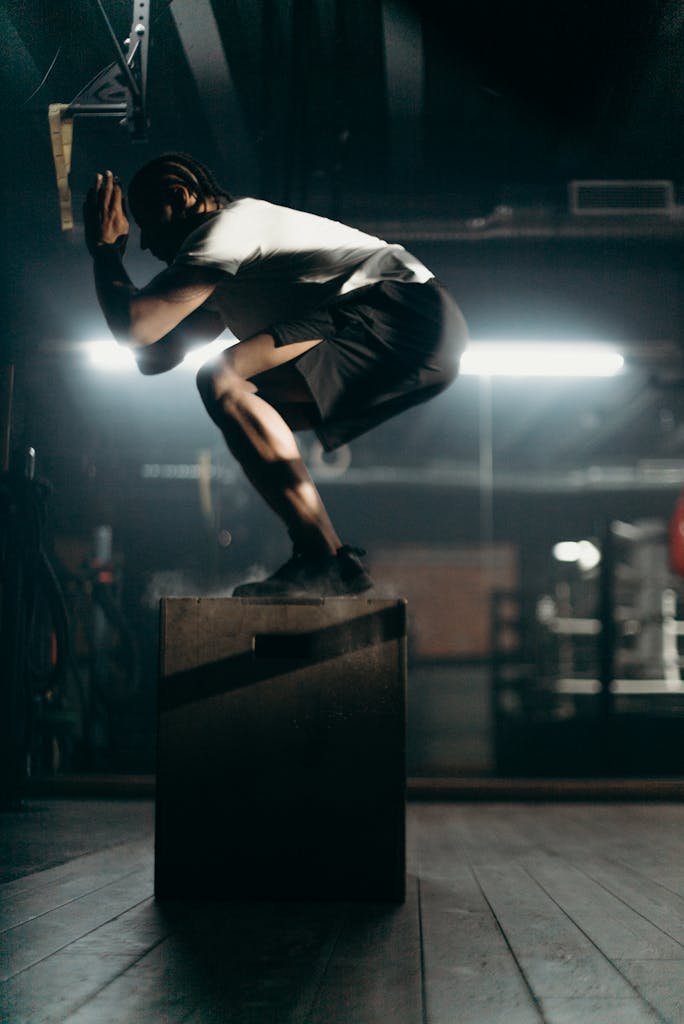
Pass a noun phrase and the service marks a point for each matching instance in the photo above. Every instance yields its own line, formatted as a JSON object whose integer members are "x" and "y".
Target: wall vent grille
{"x": 625, "y": 198}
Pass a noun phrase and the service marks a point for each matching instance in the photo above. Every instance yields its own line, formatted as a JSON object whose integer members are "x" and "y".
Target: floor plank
{"x": 516, "y": 914}
{"x": 44, "y": 833}
{"x": 602, "y": 1011}
{"x": 40, "y": 937}
{"x": 661, "y": 982}
{"x": 68, "y": 882}
{"x": 653, "y": 901}
{"x": 48, "y": 991}
{"x": 557, "y": 960}
{"x": 635, "y": 835}
{"x": 220, "y": 962}
{"x": 374, "y": 972}
{"x": 469, "y": 969}
{"x": 87, "y": 867}
{"x": 610, "y": 923}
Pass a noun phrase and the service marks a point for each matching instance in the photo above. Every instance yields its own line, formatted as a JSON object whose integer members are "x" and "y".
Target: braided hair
{"x": 176, "y": 168}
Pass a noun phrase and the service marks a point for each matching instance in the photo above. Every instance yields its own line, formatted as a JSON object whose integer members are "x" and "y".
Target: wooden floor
{"x": 516, "y": 913}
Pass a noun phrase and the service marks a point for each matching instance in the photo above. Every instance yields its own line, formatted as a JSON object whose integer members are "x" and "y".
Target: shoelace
{"x": 347, "y": 549}
{"x": 300, "y": 556}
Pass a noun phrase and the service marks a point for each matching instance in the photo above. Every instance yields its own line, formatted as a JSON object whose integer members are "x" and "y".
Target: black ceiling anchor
{"x": 118, "y": 91}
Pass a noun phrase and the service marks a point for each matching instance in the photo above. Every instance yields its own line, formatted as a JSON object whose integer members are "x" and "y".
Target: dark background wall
{"x": 452, "y": 128}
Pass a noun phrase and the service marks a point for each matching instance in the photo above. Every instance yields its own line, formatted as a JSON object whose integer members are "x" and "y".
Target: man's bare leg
{"x": 262, "y": 441}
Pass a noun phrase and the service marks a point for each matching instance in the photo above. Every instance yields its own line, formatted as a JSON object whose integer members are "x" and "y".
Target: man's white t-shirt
{"x": 280, "y": 264}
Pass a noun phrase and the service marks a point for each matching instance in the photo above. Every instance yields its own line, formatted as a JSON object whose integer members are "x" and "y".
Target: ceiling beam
{"x": 201, "y": 42}
{"x": 404, "y": 76}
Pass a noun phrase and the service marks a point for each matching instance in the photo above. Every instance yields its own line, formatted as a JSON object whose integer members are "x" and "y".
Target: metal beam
{"x": 519, "y": 226}
{"x": 603, "y": 478}
{"x": 201, "y": 42}
{"x": 404, "y": 75}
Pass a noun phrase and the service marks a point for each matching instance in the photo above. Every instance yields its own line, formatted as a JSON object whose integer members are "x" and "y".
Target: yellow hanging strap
{"x": 61, "y": 136}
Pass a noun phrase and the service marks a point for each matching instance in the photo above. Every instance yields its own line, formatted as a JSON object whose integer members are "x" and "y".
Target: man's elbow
{"x": 150, "y": 367}
{"x": 121, "y": 325}
{"x": 129, "y": 328}
{"x": 131, "y": 334}
{"x": 138, "y": 334}
{"x": 156, "y": 359}
{"x": 145, "y": 326}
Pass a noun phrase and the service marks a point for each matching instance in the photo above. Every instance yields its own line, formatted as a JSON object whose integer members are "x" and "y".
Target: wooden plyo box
{"x": 281, "y": 749}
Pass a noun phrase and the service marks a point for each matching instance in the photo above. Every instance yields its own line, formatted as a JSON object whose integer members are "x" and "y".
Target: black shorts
{"x": 386, "y": 348}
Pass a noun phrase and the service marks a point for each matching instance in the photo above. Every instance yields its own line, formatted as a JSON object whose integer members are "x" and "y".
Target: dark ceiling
{"x": 456, "y": 128}
{"x": 440, "y": 98}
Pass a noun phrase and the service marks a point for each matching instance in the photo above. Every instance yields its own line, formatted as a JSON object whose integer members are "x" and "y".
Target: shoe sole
{"x": 257, "y": 590}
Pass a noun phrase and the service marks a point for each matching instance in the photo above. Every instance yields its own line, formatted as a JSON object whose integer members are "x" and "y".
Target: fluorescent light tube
{"x": 540, "y": 359}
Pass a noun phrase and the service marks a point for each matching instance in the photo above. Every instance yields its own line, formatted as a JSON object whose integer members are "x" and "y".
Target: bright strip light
{"x": 194, "y": 359}
{"x": 484, "y": 358}
{"x": 105, "y": 354}
{"x": 540, "y": 359}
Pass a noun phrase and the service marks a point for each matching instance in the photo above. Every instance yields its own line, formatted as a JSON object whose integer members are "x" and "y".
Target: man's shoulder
{"x": 229, "y": 220}
{"x": 245, "y": 206}
{"x": 225, "y": 238}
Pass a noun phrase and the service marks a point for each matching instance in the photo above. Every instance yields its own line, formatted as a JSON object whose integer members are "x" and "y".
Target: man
{"x": 338, "y": 331}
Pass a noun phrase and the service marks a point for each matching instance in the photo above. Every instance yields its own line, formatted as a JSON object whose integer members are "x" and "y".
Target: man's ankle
{"x": 313, "y": 546}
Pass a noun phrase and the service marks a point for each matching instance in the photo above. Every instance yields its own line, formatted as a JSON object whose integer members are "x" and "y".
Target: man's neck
{"x": 208, "y": 205}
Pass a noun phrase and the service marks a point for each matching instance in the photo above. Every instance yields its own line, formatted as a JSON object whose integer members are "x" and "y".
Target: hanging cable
{"x": 44, "y": 79}
{"x": 47, "y": 74}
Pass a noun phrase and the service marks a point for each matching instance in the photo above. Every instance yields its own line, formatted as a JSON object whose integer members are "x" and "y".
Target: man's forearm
{"x": 117, "y": 296}
{"x": 198, "y": 329}
{"x": 115, "y": 290}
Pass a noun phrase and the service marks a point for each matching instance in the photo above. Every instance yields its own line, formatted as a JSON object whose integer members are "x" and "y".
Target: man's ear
{"x": 182, "y": 198}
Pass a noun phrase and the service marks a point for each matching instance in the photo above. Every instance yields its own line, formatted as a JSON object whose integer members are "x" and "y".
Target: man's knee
{"x": 221, "y": 388}
{"x": 205, "y": 379}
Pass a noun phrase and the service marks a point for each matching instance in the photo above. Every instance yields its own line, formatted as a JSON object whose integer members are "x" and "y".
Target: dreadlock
{"x": 177, "y": 168}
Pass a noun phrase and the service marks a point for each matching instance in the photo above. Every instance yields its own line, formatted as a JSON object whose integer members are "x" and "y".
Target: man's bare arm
{"x": 198, "y": 328}
{"x": 136, "y": 317}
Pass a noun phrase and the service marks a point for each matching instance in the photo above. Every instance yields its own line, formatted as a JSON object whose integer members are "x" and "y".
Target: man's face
{"x": 163, "y": 227}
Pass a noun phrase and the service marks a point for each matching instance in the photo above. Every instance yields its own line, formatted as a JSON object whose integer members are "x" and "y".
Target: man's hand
{"x": 104, "y": 214}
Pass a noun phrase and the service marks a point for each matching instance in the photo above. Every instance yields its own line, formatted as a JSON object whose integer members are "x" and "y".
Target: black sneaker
{"x": 306, "y": 575}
